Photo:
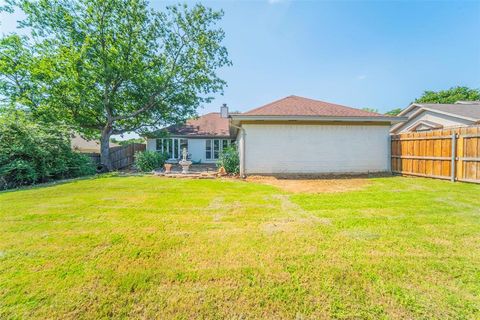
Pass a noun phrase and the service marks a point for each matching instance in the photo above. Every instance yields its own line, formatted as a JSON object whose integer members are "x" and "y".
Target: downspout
{"x": 242, "y": 150}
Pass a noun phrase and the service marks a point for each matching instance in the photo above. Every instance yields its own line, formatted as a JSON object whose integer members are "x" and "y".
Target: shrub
{"x": 36, "y": 152}
{"x": 230, "y": 160}
{"x": 81, "y": 165}
{"x": 147, "y": 161}
{"x": 16, "y": 173}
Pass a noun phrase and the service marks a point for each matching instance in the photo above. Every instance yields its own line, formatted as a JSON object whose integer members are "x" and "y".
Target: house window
{"x": 183, "y": 144}
{"x": 208, "y": 149}
{"x": 162, "y": 145}
{"x": 170, "y": 148}
{"x": 173, "y": 147}
{"x": 214, "y": 147}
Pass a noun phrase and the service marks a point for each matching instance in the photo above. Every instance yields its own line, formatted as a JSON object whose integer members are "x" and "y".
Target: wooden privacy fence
{"x": 452, "y": 154}
{"x": 121, "y": 156}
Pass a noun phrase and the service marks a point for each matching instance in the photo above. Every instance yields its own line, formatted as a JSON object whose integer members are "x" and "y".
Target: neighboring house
{"x": 204, "y": 138}
{"x": 87, "y": 146}
{"x": 430, "y": 116}
{"x": 291, "y": 135}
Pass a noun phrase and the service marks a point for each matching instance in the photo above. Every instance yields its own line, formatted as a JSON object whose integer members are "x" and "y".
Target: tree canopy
{"x": 127, "y": 142}
{"x": 451, "y": 95}
{"x": 370, "y": 109}
{"x": 394, "y": 112}
{"x": 112, "y": 66}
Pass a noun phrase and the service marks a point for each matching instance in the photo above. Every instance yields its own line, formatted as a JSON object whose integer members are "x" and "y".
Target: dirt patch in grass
{"x": 312, "y": 185}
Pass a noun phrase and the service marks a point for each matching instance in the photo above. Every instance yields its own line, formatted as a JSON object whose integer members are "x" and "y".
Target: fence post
{"x": 454, "y": 149}
{"x": 390, "y": 159}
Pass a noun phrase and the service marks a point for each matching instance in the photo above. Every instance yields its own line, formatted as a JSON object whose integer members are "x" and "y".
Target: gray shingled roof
{"x": 463, "y": 110}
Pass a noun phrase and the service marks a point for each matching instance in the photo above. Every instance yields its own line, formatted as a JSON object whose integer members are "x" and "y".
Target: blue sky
{"x": 374, "y": 54}
{"x": 362, "y": 54}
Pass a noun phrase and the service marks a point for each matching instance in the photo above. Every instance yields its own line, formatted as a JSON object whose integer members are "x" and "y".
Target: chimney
{"x": 224, "y": 111}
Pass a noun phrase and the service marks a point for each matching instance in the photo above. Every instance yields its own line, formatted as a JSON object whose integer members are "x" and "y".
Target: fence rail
{"x": 121, "y": 157}
{"x": 452, "y": 154}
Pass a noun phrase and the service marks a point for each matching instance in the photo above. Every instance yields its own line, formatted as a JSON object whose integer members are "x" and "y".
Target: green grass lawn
{"x": 148, "y": 247}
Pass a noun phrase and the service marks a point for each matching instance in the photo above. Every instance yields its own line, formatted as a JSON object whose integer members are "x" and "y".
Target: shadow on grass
{"x": 326, "y": 176}
{"x": 116, "y": 174}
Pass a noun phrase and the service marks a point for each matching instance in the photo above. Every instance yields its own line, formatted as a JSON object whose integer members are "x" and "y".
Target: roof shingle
{"x": 299, "y": 106}
{"x": 471, "y": 110}
{"x": 210, "y": 124}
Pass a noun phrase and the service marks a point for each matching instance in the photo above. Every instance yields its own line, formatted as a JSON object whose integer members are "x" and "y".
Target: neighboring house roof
{"x": 299, "y": 106}
{"x": 209, "y": 125}
{"x": 87, "y": 146}
{"x": 469, "y": 111}
{"x": 468, "y": 102}
{"x": 466, "y": 110}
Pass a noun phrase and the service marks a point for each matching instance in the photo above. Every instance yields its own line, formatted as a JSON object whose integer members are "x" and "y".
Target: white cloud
{"x": 274, "y": 1}
{"x": 361, "y": 77}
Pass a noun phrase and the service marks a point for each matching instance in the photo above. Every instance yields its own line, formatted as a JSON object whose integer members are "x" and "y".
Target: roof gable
{"x": 299, "y": 106}
{"x": 424, "y": 125}
{"x": 464, "y": 110}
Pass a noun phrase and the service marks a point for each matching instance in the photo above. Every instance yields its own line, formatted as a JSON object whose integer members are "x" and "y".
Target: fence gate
{"x": 452, "y": 154}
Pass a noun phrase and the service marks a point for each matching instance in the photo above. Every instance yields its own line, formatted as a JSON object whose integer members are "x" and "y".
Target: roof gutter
{"x": 390, "y": 119}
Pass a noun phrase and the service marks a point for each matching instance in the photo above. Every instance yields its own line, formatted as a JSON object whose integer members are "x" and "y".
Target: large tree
{"x": 113, "y": 66}
{"x": 451, "y": 95}
{"x": 17, "y": 86}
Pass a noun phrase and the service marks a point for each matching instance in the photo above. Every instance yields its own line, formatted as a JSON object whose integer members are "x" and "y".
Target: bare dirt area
{"x": 317, "y": 185}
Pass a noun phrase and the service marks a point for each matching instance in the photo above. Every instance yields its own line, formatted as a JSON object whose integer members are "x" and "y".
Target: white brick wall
{"x": 316, "y": 148}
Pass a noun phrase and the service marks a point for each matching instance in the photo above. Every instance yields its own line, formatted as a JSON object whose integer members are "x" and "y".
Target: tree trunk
{"x": 105, "y": 149}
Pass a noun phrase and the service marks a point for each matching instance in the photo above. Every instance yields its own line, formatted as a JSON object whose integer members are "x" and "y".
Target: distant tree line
{"x": 128, "y": 141}
{"x": 448, "y": 96}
